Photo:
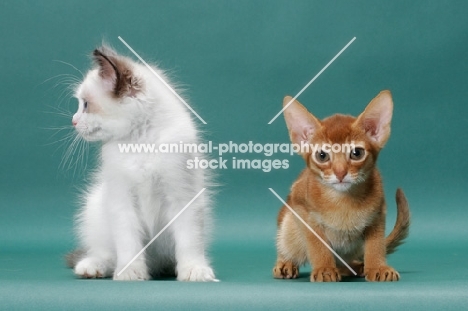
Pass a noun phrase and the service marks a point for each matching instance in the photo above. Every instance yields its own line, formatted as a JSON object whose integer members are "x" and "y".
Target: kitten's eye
{"x": 322, "y": 156}
{"x": 357, "y": 154}
{"x": 85, "y": 106}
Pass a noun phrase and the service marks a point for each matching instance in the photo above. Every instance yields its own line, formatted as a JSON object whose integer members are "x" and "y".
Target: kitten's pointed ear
{"x": 376, "y": 118}
{"x": 104, "y": 58}
{"x": 300, "y": 122}
{"x": 116, "y": 72}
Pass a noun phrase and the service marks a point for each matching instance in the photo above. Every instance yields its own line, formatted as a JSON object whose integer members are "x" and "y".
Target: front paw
{"x": 381, "y": 274}
{"x": 131, "y": 274}
{"x": 91, "y": 268}
{"x": 196, "y": 273}
{"x": 325, "y": 274}
{"x": 285, "y": 270}
{"x": 134, "y": 272}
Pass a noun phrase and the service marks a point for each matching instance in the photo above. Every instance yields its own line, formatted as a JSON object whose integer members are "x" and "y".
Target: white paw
{"x": 196, "y": 273}
{"x": 132, "y": 274}
{"x": 91, "y": 268}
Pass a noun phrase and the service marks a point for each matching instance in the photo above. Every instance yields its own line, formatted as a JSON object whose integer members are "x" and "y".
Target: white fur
{"x": 133, "y": 196}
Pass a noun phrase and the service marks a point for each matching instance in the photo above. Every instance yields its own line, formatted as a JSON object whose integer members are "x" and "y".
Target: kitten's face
{"x": 346, "y": 148}
{"x": 100, "y": 116}
{"x": 343, "y": 158}
{"x": 107, "y": 108}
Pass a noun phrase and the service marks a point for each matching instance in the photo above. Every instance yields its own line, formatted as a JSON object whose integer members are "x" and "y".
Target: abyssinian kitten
{"x": 340, "y": 196}
{"x": 132, "y": 196}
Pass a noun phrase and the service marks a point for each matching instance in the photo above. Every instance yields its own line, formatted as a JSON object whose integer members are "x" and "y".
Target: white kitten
{"x": 134, "y": 195}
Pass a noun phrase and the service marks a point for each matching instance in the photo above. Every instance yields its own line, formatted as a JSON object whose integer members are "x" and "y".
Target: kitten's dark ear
{"x": 106, "y": 64}
{"x": 376, "y": 118}
{"x": 301, "y": 123}
{"x": 116, "y": 73}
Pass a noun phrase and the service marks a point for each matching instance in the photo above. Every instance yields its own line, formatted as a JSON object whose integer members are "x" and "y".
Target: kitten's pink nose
{"x": 340, "y": 174}
{"x": 74, "y": 122}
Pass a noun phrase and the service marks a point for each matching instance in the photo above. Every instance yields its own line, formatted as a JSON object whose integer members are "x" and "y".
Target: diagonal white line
{"x": 160, "y": 232}
{"x": 162, "y": 80}
{"x": 313, "y": 231}
{"x": 313, "y": 79}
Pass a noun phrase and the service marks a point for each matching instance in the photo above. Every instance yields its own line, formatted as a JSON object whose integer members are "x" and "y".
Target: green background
{"x": 237, "y": 60}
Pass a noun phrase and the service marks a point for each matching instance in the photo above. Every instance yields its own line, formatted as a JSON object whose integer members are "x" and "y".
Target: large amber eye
{"x": 357, "y": 154}
{"x": 322, "y": 157}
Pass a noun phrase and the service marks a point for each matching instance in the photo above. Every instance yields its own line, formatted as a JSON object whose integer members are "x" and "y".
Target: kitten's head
{"x": 343, "y": 149}
{"x": 107, "y": 98}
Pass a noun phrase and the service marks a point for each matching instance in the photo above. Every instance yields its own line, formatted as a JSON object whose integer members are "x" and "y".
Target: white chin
{"x": 344, "y": 186}
{"x": 95, "y": 135}
{"x": 90, "y": 138}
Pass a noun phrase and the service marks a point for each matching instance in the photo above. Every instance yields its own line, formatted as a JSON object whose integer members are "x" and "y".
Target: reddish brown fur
{"x": 353, "y": 221}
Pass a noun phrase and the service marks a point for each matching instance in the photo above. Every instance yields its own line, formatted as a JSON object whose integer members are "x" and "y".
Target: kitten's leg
{"x": 189, "y": 237}
{"x": 96, "y": 241}
{"x": 375, "y": 263}
{"x": 320, "y": 257}
{"x": 288, "y": 246}
{"x": 126, "y": 233}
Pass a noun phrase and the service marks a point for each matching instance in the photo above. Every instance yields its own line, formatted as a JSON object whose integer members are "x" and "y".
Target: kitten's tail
{"x": 73, "y": 257}
{"x": 401, "y": 229}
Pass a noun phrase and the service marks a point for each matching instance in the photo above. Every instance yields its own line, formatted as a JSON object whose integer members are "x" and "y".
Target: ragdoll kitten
{"x": 340, "y": 196}
{"x": 134, "y": 195}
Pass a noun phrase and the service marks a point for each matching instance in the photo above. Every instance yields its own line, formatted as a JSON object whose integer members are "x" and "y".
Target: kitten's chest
{"x": 131, "y": 165}
{"x": 345, "y": 219}
{"x": 344, "y": 228}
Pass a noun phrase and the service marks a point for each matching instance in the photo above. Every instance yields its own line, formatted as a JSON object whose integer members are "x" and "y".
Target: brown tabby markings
{"x": 342, "y": 198}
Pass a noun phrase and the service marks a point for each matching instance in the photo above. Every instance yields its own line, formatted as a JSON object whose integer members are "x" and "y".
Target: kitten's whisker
{"x": 59, "y": 109}
{"x": 65, "y": 157}
{"x": 62, "y": 100}
{"x": 66, "y": 93}
{"x": 61, "y": 61}
{"x": 76, "y": 163}
{"x": 63, "y": 114}
{"x": 86, "y": 156}
{"x": 66, "y": 80}
{"x": 57, "y": 76}
{"x": 60, "y": 128}
{"x": 68, "y": 156}
{"x": 59, "y": 113}
{"x": 80, "y": 154}
{"x": 84, "y": 159}
{"x": 59, "y": 140}
{"x": 64, "y": 141}
{"x": 68, "y": 83}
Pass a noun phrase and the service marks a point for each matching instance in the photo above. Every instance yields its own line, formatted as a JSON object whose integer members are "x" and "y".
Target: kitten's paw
{"x": 325, "y": 274}
{"x": 132, "y": 274}
{"x": 196, "y": 273}
{"x": 285, "y": 270}
{"x": 91, "y": 268}
{"x": 381, "y": 274}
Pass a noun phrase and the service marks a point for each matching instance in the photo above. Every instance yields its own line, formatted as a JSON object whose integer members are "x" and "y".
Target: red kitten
{"x": 340, "y": 196}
